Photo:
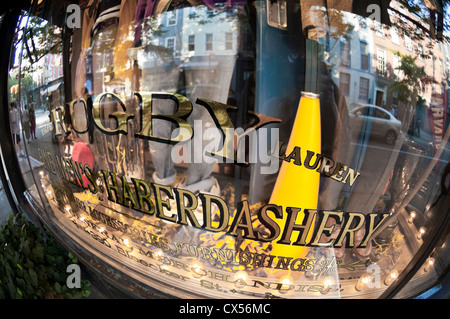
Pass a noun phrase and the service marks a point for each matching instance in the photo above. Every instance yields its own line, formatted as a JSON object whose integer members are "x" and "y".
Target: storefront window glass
{"x": 237, "y": 148}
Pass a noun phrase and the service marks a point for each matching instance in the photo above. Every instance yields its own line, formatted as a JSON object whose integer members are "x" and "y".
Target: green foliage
{"x": 409, "y": 87}
{"x": 26, "y": 83}
{"x": 34, "y": 267}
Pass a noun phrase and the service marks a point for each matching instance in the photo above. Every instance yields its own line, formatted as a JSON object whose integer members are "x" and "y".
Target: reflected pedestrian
{"x": 32, "y": 117}
{"x": 26, "y": 123}
{"x": 15, "y": 128}
{"x": 419, "y": 123}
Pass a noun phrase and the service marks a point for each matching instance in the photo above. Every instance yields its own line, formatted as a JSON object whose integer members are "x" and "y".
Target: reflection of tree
{"x": 333, "y": 22}
{"x": 213, "y": 15}
{"x": 26, "y": 84}
{"x": 433, "y": 15}
{"x": 37, "y": 39}
{"x": 409, "y": 86}
{"x": 40, "y": 38}
{"x": 153, "y": 30}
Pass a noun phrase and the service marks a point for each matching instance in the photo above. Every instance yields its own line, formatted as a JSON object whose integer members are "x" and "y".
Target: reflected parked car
{"x": 376, "y": 121}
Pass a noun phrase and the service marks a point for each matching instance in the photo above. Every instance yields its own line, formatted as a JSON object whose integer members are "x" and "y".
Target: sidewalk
{"x": 5, "y": 207}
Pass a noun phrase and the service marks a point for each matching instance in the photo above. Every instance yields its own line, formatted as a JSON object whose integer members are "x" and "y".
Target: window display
{"x": 238, "y": 149}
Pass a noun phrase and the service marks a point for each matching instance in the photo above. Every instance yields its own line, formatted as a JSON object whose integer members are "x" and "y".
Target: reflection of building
{"x": 193, "y": 51}
{"x": 198, "y": 40}
{"x": 364, "y": 61}
{"x": 49, "y": 90}
{"x": 349, "y": 56}
{"x": 408, "y": 35}
{"x": 446, "y": 66}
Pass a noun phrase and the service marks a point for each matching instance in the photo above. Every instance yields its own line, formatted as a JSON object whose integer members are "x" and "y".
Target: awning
{"x": 50, "y": 89}
{"x": 199, "y": 65}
